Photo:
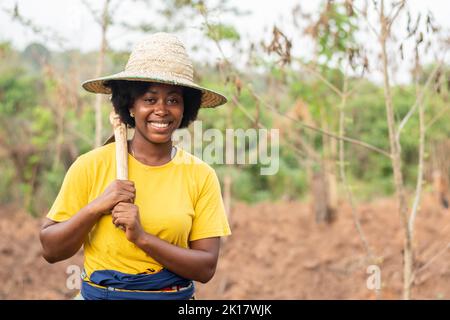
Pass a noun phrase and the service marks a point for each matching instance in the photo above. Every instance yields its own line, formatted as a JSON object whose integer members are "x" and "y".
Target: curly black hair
{"x": 125, "y": 92}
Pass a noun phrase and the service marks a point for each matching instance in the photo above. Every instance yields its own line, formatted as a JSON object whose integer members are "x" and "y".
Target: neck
{"x": 149, "y": 153}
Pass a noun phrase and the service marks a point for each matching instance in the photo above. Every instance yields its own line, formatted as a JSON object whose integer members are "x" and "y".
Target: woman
{"x": 152, "y": 236}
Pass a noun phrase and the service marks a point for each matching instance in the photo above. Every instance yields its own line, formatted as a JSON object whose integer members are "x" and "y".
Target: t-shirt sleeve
{"x": 210, "y": 219}
{"x": 74, "y": 192}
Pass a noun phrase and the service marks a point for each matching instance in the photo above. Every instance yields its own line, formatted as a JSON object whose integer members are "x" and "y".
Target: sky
{"x": 71, "y": 20}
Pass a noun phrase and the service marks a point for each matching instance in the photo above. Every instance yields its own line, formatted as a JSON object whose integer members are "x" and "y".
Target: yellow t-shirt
{"x": 178, "y": 202}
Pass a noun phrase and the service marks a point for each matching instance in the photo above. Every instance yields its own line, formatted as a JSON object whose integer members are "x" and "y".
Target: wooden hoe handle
{"x": 120, "y": 134}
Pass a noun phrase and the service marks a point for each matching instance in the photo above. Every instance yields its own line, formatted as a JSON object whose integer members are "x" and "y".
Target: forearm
{"x": 62, "y": 240}
{"x": 192, "y": 264}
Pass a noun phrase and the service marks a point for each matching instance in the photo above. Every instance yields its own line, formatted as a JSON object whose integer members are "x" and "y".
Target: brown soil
{"x": 277, "y": 251}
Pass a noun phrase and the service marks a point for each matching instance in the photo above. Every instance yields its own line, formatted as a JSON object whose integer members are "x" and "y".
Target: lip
{"x": 160, "y": 130}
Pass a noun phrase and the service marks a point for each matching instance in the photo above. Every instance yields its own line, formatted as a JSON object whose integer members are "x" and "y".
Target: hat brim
{"x": 210, "y": 98}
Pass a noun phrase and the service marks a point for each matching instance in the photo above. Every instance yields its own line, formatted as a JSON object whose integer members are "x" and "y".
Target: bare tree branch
{"x": 299, "y": 152}
{"x": 94, "y": 13}
{"x": 369, "y": 24}
{"x": 432, "y": 259}
{"x": 418, "y": 194}
{"x": 395, "y": 12}
{"x": 204, "y": 13}
{"x": 321, "y": 77}
{"x": 351, "y": 140}
{"x": 438, "y": 116}
{"x": 420, "y": 98}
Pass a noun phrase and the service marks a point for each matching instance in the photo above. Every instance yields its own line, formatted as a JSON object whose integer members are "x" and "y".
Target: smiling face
{"x": 158, "y": 112}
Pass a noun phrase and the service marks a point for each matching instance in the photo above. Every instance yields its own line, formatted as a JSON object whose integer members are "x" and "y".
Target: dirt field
{"x": 277, "y": 251}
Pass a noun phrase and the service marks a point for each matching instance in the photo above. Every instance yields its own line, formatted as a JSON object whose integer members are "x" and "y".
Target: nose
{"x": 160, "y": 108}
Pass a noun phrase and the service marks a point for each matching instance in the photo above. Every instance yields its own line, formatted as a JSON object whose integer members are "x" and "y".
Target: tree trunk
{"x": 396, "y": 162}
{"x": 322, "y": 210}
{"x": 324, "y": 180}
{"x": 332, "y": 175}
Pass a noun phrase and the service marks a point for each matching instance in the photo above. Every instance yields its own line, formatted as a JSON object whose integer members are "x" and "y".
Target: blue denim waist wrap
{"x": 138, "y": 286}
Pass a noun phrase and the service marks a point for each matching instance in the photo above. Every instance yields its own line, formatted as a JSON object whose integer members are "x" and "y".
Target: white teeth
{"x": 159, "y": 124}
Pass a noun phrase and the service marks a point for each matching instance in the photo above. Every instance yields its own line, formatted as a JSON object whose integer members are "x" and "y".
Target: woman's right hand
{"x": 117, "y": 191}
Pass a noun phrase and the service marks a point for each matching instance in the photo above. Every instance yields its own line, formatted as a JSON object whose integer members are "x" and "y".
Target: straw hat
{"x": 162, "y": 58}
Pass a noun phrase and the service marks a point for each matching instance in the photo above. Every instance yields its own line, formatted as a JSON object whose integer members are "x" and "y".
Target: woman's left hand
{"x": 126, "y": 215}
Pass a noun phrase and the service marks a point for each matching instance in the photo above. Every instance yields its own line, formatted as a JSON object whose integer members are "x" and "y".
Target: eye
{"x": 174, "y": 100}
{"x": 150, "y": 100}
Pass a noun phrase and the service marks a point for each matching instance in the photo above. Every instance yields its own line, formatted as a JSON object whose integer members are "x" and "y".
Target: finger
{"x": 119, "y": 225}
{"x": 126, "y": 196}
{"x": 123, "y": 199}
{"x": 123, "y": 206}
{"x": 126, "y": 214}
{"x": 121, "y": 203}
{"x": 131, "y": 189}
{"x": 114, "y": 221}
{"x": 128, "y": 201}
{"x": 116, "y": 215}
{"x": 127, "y": 189}
{"x": 117, "y": 208}
{"x": 126, "y": 183}
{"x": 121, "y": 222}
